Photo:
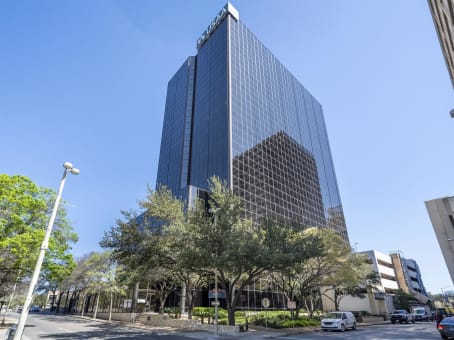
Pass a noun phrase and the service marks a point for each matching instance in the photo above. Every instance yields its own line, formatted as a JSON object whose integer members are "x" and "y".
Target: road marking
{"x": 65, "y": 330}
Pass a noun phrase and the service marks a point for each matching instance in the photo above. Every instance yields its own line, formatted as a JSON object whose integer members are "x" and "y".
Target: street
{"x": 50, "y": 326}
{"x": 417, "y": 331}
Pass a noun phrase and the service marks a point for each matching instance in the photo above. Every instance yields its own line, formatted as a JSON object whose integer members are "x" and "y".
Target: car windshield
{"x": 419, "y": 311}
{"x": 399, "y": 312}
{"x": 334, "y": 316}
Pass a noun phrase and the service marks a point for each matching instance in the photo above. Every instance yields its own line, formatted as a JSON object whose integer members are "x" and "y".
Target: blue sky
{"x": 85, "y": 81}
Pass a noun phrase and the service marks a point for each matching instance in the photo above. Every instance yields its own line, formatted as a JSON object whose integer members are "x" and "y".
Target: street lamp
{"x": 23, "y": 317}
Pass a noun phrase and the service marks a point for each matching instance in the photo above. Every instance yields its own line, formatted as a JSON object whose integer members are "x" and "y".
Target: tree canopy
{"x": 24, "y": 214}
{"x": 173, "y": 244}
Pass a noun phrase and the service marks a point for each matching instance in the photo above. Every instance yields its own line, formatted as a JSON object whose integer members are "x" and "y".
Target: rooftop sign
{"x": 228, "y": 9}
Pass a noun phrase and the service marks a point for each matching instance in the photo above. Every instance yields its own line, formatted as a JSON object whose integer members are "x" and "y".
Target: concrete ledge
{"x": 156, "y": 320}
{"x": 372, "y": 319}
{"x": 124, "y": 317}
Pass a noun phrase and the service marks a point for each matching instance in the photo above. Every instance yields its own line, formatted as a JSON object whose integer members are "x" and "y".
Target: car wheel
{"x": 354, "y": 326}
{"x": 342, "y": 328}
{"x": 393, "y": 322}
{"x": 413, "y": 321}
{"x": 444, "y": 336}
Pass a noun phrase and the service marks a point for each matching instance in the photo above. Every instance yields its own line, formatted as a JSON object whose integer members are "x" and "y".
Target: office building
{"x": 443, "y": 17}
{"x": 234, "y": 111}
{"x": 441, "y": 212}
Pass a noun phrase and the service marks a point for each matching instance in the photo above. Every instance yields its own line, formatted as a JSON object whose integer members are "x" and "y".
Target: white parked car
{"x": 338, "y": 321}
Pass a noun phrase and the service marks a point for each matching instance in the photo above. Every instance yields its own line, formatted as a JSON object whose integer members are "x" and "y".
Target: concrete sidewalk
{"x": 5, "y": 324}
{"x": 256, "y": 332}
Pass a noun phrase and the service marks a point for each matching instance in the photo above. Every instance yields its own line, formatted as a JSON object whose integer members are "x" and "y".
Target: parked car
{"x": 422, "y": 314}
{"x": 338, "y": 321}
{"x": 401, "y": 315}
{"x": 446, "y": 327}
{"x": 34, "y": 309}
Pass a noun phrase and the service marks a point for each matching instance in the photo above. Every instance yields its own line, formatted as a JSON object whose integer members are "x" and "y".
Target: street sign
{"x": 291, "y": 304}
{"x": 265, "y": 302}
{"x": 215, "y": 303}
{"x": 220, "y": 293}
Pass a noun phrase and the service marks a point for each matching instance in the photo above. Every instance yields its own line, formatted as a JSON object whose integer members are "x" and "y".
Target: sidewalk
{"x": 254, "y": 332}
{"x": 4, "y": 326}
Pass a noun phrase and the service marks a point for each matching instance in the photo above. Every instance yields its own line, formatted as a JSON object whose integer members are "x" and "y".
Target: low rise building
{"x": 394, "y": 272}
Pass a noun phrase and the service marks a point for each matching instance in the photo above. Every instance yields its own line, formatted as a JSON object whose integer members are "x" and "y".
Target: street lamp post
{"x": 23, "y": 317}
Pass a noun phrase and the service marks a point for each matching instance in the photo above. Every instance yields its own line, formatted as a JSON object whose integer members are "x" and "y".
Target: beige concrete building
{"x": 443, "y": 16}
{"x": 394, "y": 273}
{"x": 441, "y": 212}
{"x": 377, "y": 301}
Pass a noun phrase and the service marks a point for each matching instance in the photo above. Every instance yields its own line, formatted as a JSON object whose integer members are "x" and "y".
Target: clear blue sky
{"x": 85, "y": 81}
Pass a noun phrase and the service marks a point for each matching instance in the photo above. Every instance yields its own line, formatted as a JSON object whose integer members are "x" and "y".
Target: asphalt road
{"x": 417, "y": 331}
{"x": 58, "y": 327}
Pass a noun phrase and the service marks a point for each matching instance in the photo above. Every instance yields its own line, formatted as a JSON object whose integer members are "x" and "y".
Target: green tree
{"x": 312, "y": 254}
{"x": 95, "y": 274}
{"x": 403, "y": 300}
{"x": 24, "y": 214}
{"x": 153, "y": 252}
{"x": 173, "y": 247}
{"x": 350, "y": 274}
{"x": 236, "y": 250}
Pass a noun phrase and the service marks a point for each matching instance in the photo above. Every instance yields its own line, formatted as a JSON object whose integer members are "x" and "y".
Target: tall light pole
{"x": 23, "y": 317}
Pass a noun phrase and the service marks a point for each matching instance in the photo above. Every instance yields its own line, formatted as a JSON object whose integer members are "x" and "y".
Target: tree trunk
{"x": 336, "y": 300}
{"x": 110, "y": 307}
{"x": 66, "y": 302}
{"x": 136, "y": 296}
{"x": 58, "y": 303}
{"x": 162, "y": 303}
{"x": 82, "y": 308}
{"x": 230, "y": 300}
{"x": 183, "y": 299}
{"x": 11, "y": 298}
{"x": 231, "y": 314}
{"x": 54, "y": 305}
{"x": 96, "y": 306}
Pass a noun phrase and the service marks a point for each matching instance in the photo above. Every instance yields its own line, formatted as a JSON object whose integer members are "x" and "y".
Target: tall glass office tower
{"x": 236, "y": 112}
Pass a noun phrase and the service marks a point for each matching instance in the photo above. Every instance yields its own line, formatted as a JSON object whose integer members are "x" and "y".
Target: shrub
{"x": 283, "y": 320}
{"x": 299, "y": 323}
{"x": 209, "y": 312}
{"x": 173, "y": 311}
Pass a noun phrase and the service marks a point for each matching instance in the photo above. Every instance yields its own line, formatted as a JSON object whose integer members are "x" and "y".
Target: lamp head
{"x": 75, "y": 171}
{"x": 67, "y": 165}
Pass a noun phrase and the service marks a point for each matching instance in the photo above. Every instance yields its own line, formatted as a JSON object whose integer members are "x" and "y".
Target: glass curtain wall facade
{"x": 253, "y": 125}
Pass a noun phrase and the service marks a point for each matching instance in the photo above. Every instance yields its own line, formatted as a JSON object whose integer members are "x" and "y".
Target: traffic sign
{"x": 265, "y": 302}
